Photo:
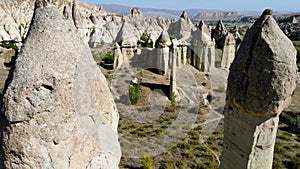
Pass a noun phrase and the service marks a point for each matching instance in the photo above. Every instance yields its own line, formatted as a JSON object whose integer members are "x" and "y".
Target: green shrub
{"x": 166, "y": 164}
{"x": 144, "y": 38}
{"x": 179, "y": 36}
{"x": 9, "y": 45}
{"x": 172, "y": 37}
{"x": 180, "y": 163}
{"x": 134, "y": 93}
{"x": 147, "y": 161}
{"x": 279, "y": 148}
{"x": 108, "y": 58}
{"x": 188, "y": 154}
{"x": 184, "y": 145}
{"x": 173, "y": 101}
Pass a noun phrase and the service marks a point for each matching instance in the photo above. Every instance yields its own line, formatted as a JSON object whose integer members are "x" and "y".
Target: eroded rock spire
{"x": 260, "y": 84}
{"x": 59, "y": 110}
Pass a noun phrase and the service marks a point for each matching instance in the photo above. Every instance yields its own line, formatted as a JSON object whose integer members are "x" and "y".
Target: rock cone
{"x": 58, "y": 109}
{"x": 260, "y": 84}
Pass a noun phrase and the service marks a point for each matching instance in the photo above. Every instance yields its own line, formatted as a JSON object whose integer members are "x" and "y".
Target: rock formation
{"x": 202, "y": 51}
{"x": 162, "y": 44}
{"x": 260, "y": 84}
{"x": 291, "y": 26}
{"x": 15, "y": 17}
{"x": 173, "y": 65}
{"x": 228, "y": 52}
{"x": 203, "y": 27}
{"x": 57, "y": 107}
{"x": 119, "y": 58}
{"x": 182, "y": 28}
{"x": 219, "y": 33}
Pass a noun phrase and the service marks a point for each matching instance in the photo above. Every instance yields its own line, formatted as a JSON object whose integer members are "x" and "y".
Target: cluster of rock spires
{"x": 57, "y": 111}
{"x": 95, "y": 26}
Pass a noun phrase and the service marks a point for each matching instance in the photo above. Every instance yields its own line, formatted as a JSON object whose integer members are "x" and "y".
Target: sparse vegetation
{"x": 147, "y": 161}
{"x": 297, "y": 46}
{"x": 108, "y": 58}
{"x": 175, "y": 36}
{"x": 8, "y": 45}
{"x": 294, "y": 124}
{"x": 221, "y": 88}
{"x": 173, "y": 101}
{"x": 134, "y": 93}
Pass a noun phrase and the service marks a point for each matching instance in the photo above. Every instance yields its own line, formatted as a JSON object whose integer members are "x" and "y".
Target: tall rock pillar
{"x": 58, "y": 109}
{"x": 163, "y": 43}
{"x": 173, "y": 65}
{"x": 260, "y": 84}
{"x": 228, "y": 52}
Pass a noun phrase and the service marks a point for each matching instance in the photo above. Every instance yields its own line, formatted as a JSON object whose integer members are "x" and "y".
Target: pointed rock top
{"x": 135, "y": 13}
{"x": 127, "y": 36}
{"x": 185, "y": 17}
{"x": 163, "y": 40}
{"x": 220, "y": 27}
{"x": 203, "y": 27}
{"x": 268, "y": 12}
{"x": 263, "y": 74}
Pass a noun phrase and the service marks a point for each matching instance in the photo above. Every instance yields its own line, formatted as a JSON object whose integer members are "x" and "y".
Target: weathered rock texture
{"x": 95, "y": 25}
{"x": 58, "y": 108}
{"x": 219, "y": 33}
{"x": 15, "y": 19}
{"x": 163, "y": 43}
{"x": 228, "y": 52}
{"x": 182, "y": 28}
{"x": 260, "y": 84}
{"x": 202, "y": 50}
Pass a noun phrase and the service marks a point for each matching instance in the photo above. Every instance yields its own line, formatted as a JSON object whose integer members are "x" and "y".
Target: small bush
{"x": 179, "y": 36}
{"x": 184, "y": 145}
{"x": 144, "y": 38}
{"x": 108, "y": 58}
{"x": 279, "y": 148}
{"x": 180, "y": 163}
{"x": 9, "y": 45}
{"x": 188, "y": 154}
{"x": 173, "y": 101}
{"x": 166, "y": 164}
{"x": 134, "y": 93}
{"x": 172, "y": 37}
{"x": 147, "y": 161}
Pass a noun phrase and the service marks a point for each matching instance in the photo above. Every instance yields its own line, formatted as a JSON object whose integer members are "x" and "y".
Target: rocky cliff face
{"x": 57, "y": 111}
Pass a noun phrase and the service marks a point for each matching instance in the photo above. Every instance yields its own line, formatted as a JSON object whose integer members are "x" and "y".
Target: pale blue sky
{"x": 233, "y": 5}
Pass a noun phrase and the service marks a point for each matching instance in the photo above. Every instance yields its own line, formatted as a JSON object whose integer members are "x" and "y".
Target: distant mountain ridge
{"x": 124, "y": 10}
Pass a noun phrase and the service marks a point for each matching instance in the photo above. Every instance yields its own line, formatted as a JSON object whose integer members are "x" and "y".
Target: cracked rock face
{"x": 57, "y": 109}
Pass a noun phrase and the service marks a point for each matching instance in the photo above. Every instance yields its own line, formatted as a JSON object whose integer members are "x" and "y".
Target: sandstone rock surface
{"x": 260, "y": 84}
{"x": 58, "y": 110}
{"x": 182, "y": 28}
